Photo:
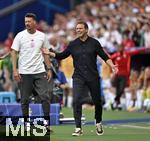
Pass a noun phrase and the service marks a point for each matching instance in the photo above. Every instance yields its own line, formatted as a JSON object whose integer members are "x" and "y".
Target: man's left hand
{"x": 49, "y": 75}
{"x": 115, "y": 69}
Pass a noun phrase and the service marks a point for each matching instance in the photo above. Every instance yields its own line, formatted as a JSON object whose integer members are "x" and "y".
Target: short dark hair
{"x": 84, "y": 23}
{"x": 31, "y": 15}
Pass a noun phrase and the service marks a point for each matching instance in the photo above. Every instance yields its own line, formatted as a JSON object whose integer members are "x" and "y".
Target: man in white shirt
{"x": 31, "y": 73}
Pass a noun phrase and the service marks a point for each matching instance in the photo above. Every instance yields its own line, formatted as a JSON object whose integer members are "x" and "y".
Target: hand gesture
{"x": 49, "y": 75}
{"x": 47, "y": 52}
{"x": 115, "y": 69}
{"x": 17, "y": 76}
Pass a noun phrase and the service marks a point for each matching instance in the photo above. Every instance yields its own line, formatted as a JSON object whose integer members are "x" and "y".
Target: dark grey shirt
{"x": 84, "y": 55}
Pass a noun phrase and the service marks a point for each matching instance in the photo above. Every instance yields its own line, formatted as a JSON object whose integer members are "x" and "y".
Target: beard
{"x": 28, "y": 27}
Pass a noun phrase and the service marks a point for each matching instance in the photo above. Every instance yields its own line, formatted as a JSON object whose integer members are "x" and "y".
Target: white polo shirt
{"x": 29, "y": 48}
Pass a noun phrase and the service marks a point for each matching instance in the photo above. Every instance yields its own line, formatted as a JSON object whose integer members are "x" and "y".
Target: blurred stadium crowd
{"x": 116, "y": 24}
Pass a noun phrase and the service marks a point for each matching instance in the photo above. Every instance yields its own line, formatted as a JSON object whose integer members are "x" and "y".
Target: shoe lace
{"x": 99, "y": 127}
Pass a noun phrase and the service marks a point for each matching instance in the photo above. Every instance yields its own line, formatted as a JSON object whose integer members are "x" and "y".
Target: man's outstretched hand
{"x": 47, "y": 52}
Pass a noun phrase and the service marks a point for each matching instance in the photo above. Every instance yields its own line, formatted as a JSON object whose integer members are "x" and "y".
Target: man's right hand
{"x": 47, "y": 52}
{"x": 17, "y": 76}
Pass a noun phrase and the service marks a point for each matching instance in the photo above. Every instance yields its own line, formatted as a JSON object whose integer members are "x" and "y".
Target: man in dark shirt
{"x": 84, "y": 51}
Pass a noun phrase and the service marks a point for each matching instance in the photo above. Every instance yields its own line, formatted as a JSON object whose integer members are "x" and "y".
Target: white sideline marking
{"x": 135, "y": 126}
{"x": 70, "y": 119}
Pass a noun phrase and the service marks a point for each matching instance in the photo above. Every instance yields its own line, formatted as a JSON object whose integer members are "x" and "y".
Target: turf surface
{"x": 136, "y": 128}
{"x": 132, "y": 131}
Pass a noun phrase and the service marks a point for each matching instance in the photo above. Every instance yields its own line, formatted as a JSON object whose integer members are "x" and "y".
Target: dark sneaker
{"x": 77, "y": 132}
{"x": 99, "y": 129}
{"x": 114, "y": 106}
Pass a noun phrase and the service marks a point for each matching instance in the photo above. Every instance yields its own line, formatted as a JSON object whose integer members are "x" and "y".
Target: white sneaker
{"x": 99, "y": 129}
{"x": 77, "y": 132}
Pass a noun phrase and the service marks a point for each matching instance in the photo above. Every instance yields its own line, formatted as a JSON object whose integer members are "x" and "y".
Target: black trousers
{"x": 79, "y": 89}
{"x": 39, "y": 83}
{"x": 120, "y": 83}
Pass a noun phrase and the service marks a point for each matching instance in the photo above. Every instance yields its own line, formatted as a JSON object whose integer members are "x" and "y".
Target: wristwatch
{"x": 49, "y": 69}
